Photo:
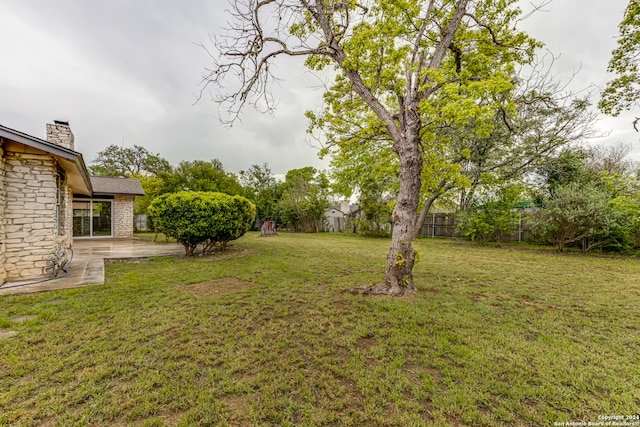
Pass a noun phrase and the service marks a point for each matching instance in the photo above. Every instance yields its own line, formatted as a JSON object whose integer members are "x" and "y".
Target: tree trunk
{"x": 268, "y": 229}
{"x": 443, "y": 187}
{"x": 405, "y": 134}
{"x": 398, "y": 273}
{"x": 423, "y": 215}
{"x": 401, "y": 257}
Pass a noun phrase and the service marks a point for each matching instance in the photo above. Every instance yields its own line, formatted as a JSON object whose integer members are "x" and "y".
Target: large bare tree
{"x": 391, "y": 57}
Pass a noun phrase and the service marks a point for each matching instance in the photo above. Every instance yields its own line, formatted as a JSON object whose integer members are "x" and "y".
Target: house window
{"x": 92, "y": 218}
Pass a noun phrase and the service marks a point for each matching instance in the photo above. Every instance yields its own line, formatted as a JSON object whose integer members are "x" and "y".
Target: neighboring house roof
{"x": 109, "y": 185}
{"x": 337, "y": 207}
{"x": 71, "y": 161}
{"x": 352, "y": 209}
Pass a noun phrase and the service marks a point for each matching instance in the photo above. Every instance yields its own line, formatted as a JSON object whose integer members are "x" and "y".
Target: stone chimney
{"x": 60, "y": 133}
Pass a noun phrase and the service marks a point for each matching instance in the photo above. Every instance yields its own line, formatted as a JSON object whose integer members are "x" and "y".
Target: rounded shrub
{"x": 207, "y": 218}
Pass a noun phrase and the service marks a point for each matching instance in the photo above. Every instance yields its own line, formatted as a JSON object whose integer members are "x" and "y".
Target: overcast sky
{"x": 127, "y": 72}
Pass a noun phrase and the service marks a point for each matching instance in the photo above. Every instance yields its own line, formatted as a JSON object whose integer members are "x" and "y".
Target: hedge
{"x": 197, "y": 217}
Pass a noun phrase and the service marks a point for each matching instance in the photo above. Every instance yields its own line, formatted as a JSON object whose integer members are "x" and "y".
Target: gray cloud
{"x": 128, "y": 72}
{"x": 581, "y": 36}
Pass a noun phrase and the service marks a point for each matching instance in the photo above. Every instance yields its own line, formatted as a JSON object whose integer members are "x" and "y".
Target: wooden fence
{"x": 444, "y": 225}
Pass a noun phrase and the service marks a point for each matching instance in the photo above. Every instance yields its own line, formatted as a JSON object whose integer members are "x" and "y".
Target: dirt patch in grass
{"x": 21, "y": 319}
{"x": 237, "y": 405}
{"x": 7, "y": 334}
{"x": 365, "y": 343}
{"x": 212, "y": 288}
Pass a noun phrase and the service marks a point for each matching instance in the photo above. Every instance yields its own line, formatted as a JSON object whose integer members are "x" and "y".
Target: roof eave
{"x": 97, "y": 194}
{"x": 77, "y": 174}
{"x": 38, "y": 143}
{"x": 70, "y": 160}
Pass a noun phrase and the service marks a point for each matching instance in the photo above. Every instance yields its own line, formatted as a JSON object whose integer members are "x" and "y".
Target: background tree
{"x": 134, "y": 162}
{"x": 153, "y": 186}
{"x": 493, "y": 216}
{"x": 546, "y": 119}
{"x": 391, "y": 57}
{"x": 370, "y": 175}
{"x": 200, "y": 175}
{"x": 607, "y": 167}
{"x": 128, "y": 162}
{"x": 566, "y": 167}
{"x": 623, "y": 92}
{"x": 612, "y": 159}
{"x": 576, "y": 214}
{"x": 262, "y": 188}
{"x": 304, "y": 199}
{"x": 591, "y": 198}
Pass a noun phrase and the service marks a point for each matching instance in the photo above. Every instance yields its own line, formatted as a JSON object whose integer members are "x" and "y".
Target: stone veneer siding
{"x": 3, "y": 273}
{"x": 123, "y": 217}
{"x": 33, "y": 246}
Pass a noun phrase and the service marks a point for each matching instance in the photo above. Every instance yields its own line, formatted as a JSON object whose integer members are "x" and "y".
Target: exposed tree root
{"x": 380, "y": 289}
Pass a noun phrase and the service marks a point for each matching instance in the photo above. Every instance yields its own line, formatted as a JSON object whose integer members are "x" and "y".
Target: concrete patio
{"x": 87, "y": 264}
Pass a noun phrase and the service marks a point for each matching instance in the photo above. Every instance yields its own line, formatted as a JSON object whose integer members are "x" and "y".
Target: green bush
{"x": 625, "y": 236}
{"x": 577, "y": 214}
{"x": 206, "y": 218}
{"x": 495, "y": 219}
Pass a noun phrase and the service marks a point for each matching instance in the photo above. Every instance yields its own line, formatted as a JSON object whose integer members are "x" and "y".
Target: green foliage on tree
{"x": 128, "y": 162}
{"x": 304, "y": 199}
{"x": 493, "y": 219}
{"x": 566, "y": 167}
{"x": 407, "y": 68}
{"x": 591, "y": 199}
{"x": 374, "y": 211}
{"x": 626, "y": 236}
{"x": 207, "y": 218}
{"x": 262, "y": 188}
{"x": 371, "y": 174}
{"x": 153, "y": 186}
{"x": 623, "y": 92}
{"x": 200, "y": 175}
{"x": 577, "y": 213}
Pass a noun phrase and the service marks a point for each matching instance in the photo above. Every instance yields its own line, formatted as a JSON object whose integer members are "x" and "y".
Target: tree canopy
{"x": 128, "y": 162}
{"x": 623, "y": 92}
{"x": 262, "y": 188}
{"x": 200, "y": 175}
{"x": 304, "y": 199}
{"x": 408, "y": 67}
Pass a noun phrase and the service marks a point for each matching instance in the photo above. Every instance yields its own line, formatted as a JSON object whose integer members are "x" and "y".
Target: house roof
{"x": 352, "y": 209}
{"x": 71, "y": 161}
{"x": 109, "y": 185}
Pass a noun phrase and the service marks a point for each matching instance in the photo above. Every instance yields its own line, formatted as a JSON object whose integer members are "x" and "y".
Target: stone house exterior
{"x": 109, "y": 210}
{"x": 41, "y": 182}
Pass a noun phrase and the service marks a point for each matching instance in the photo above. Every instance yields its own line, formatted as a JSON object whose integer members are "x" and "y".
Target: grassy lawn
{"x": 262, "y": 335}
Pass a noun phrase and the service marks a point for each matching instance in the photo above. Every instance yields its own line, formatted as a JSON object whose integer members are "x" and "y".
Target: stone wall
{"x": 123, "y": 217}
{"x": 33, "y": 247}
{"x": 2, "y": 219}
{"x": 67, "y": 211}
